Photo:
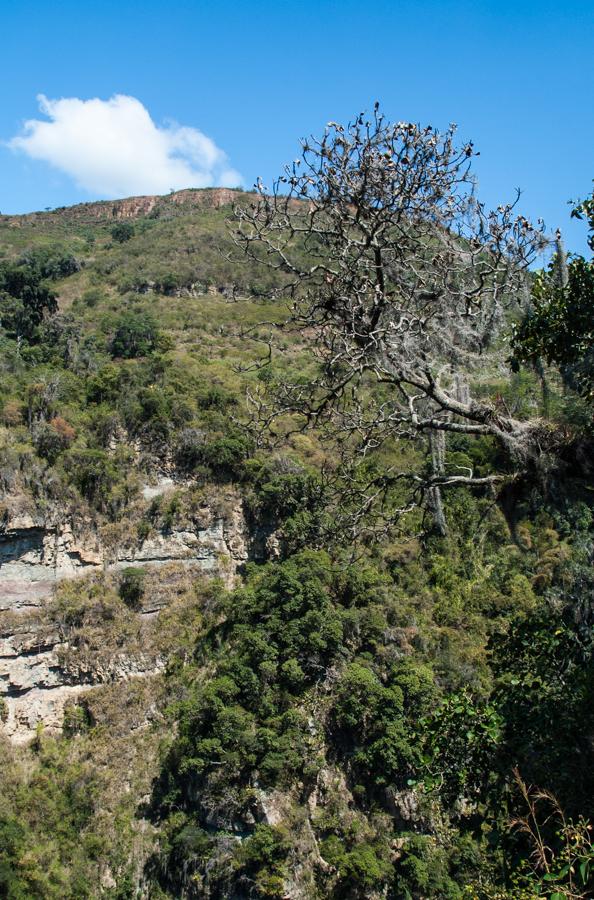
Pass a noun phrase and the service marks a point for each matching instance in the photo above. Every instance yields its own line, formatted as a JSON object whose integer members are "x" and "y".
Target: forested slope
{"x": 267, "y": 704}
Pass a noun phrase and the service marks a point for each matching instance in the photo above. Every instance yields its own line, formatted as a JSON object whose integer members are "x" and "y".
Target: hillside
{"x": 207, "y": 690}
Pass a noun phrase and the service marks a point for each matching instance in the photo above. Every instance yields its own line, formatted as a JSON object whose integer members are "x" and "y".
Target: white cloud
{"x": 112, "y": 148}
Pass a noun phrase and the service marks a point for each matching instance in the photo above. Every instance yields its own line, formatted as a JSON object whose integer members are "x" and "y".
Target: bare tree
{"x": 398, "y": 276}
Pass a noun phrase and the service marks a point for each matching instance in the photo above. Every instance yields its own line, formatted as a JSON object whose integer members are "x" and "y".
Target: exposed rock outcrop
{"x": 35, "y": 555}
{"x": 135, "y": 207}
{"x": 37, "y": 679}
{"x": 39, "y": 671}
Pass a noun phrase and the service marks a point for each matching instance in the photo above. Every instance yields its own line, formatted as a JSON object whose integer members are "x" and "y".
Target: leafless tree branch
{"x": 401, "y": 280}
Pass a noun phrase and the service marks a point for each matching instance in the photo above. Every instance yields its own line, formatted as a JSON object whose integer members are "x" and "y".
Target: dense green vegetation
{"x": 410, "y": 718}
{"x": 560, "y": 327}
{"x": 422, "y": 690}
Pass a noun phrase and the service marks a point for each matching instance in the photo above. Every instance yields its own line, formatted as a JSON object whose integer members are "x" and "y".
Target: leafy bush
{"x": 131, "y": 588}
{"x": 24, "y": 300}
{"x": 222, "y": 457}
{"x": 50, "y": 439}
{"x": 262, "y": 858}
{"x": 122, "y": 232}
{"x": 363, "y": 867}
{"x": 374, "y": 729}
{"x": 188, "y": 451}
{"x": 51, "y": 262}
{"x": 77, "y": 718}
{"x": 461, "y": 739}
{"x": 136, "y": 334}
{"x": 101, "y": 478}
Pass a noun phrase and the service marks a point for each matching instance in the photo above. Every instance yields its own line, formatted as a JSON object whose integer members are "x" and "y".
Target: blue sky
{"x": 234, "y": 86}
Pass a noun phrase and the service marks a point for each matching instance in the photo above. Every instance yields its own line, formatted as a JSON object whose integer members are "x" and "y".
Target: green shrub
{"x": 222, "y": 457}
{"x": 51, "y": 262}
{"x": 25, "y": 300}
{"x": 132, "y": 586}
{"x": 51, "y": 438}
{"x": 136, "y": 334}
{"x": 105, "y": 480}
{"x": 77, "y": 718}
{"x": 122, "y": 232}
{"x": 262, "y": 859}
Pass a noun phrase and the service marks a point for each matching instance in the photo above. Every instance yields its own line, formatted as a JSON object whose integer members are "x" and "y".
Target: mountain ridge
{"x": 134, "y": 207}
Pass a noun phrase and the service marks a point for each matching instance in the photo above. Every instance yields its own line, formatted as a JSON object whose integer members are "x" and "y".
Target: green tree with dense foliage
{"x": 136, "y": 334}
{"x": 122, "y": 232}
{"x": 25, "y": 299}
{"x": 560, "y": 324}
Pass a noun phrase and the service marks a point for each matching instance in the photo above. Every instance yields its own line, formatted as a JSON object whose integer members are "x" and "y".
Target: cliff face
{"x": 38, "y": 679}
{"x": 40, "y": 670}
{"x": 35, "y": 555}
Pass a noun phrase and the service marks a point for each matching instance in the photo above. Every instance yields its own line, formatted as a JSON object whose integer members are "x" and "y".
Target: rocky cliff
{"x": 133, "y": 207}
{"x": 38, "y": 676}
{"x": 40, "y": 669}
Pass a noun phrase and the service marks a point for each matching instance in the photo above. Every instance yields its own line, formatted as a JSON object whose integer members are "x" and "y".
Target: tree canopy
{"x": 559, "y": 326}
{"x": 25, "y": 299}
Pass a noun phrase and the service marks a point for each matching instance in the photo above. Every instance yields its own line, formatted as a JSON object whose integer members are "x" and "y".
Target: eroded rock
{"x": 38, "y": 677}
{"x": 34, "y": 555}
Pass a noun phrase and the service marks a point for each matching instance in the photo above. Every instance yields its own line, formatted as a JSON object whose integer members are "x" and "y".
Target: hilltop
{"x": 174, "y": 203}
